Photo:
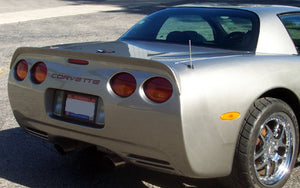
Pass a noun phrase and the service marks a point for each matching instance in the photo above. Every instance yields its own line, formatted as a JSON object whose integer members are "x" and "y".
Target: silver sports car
{"x": 199, "y": 92}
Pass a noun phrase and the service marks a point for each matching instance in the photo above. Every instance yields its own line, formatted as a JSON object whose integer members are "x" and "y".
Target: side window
{"x": 192, "y": 26}
{"x": 292, "y": 24}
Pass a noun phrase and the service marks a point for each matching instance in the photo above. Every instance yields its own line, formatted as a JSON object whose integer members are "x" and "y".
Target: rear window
{"x": 185, "y": 23}
{"x": 213, "y": 27}
{"x": 292, "y": 24}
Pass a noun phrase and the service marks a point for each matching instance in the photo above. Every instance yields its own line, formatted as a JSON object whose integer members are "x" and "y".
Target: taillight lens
{"x": 21, "y": 70}
{"x": 158, "y": 89}
{"x": 39, "y": 72}
{"x": 123, "y": 84}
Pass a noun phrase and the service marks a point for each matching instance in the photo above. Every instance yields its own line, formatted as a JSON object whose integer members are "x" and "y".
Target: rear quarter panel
{"x": 220, "y": 85}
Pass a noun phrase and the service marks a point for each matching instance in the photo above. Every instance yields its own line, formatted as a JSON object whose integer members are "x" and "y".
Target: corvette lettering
{"x": 75, "y": 79}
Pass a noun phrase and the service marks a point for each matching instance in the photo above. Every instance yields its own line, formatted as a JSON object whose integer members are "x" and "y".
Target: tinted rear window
{"x": 214, "y": 27}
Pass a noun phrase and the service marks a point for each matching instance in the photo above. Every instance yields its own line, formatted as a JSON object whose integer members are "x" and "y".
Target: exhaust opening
{"x": 114, "y": 161}
{"x": 64, "y": 146}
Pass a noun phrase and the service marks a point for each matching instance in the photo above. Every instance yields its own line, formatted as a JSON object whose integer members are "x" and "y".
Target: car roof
{"x": 259, "y": 9}
{"x": 268, "y": 15}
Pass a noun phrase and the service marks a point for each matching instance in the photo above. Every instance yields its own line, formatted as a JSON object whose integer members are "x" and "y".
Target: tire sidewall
{"x": 268, "y": 111}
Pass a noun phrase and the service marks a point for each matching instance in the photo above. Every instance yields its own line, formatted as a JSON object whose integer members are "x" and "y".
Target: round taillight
{"x": 39, "y": 72}
{"x": 158, "y": 89}
{"x": 123, "y": 84}
{"x": 21, "y": 70}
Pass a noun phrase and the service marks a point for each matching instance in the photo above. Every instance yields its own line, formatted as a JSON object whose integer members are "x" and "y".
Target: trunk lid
{"x": 155, "y": 51}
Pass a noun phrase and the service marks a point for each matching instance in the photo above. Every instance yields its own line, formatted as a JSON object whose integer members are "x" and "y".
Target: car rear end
{"x": 127, "y": 106}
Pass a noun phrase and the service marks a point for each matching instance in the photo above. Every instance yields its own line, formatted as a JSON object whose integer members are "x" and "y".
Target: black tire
{"x": 268, "y": 145}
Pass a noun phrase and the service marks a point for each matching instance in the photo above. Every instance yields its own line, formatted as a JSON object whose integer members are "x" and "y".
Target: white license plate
{"x": 81, "y": 107}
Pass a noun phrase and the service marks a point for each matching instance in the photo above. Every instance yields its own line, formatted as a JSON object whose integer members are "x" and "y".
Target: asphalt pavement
{"x": 26, "y": 161}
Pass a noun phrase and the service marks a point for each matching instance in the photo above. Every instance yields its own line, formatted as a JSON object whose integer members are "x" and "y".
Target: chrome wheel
{"x": 274, "y": 148}
{"x": 267, "y": 146}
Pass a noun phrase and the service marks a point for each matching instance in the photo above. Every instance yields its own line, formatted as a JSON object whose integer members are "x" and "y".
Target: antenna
{"x": 191, "y": 66}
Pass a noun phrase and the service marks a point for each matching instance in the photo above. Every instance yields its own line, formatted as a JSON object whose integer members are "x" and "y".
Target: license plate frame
{"x": 80, "y": 107}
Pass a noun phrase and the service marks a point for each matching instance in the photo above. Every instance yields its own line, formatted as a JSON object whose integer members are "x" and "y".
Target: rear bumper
{"x": 150, "y": 139}
{"x": 146, "y": 137}
{"x": 134, "y": 153}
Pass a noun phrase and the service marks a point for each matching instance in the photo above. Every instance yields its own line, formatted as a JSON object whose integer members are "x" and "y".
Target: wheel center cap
{"x": 271, "y": 149}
